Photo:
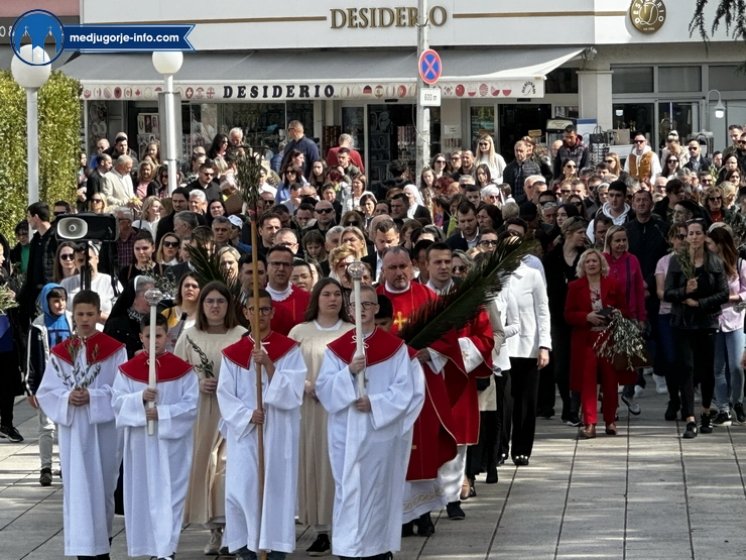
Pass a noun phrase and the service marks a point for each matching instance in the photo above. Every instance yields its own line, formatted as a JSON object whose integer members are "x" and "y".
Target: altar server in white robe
{"x": 283, "y": 379}
{"x": 156, "y": 467}
{"x": 75, "y": 393}
{"x": 369, "y": 435}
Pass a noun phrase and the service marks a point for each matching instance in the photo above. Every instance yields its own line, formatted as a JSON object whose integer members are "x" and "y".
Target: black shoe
{"x": 9, "y": 432}
{"x": 225, "y": 552}
{"x": 691, "y": 431}
{"x": 520, "y": 460}
{"x": 723, "y": 419}
{"x": 705, "y": 423}
{"x": 425, "y": 527}
{"x": 321, "y": 546}
{"x": 632, "y": 406}
{"x": 672, "y": 411}
{"x": 455, "y": 512}
{"x": 45, "y": 478}
{"x": 738, "y": 410}
{"x": 573, "y": 421}
{"x": 491, "y": 476}
{"x": 407, "y": 530}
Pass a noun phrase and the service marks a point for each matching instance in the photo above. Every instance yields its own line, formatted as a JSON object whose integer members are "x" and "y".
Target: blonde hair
{"x": 609, "y": 234}
{"x": 580, "y": 269}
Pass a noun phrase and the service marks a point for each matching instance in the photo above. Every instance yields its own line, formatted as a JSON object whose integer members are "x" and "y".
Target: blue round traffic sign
{"x": 430, "y": 66}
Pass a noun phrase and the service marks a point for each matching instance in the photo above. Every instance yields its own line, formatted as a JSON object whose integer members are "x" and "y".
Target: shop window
{"x": 681, "y": 117}
{"x": 635, "y": 79}
{"x": 562, "y": 80}
{"x": 679, "y": 78}
{"x": 482, "y": 122}
{"x": 727, "y": 78}
{"x": 301, "y": 111}
{"x": 263, "y": 124}
{"x": 637, "y": 117}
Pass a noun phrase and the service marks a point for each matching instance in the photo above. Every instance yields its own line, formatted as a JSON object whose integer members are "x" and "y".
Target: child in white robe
{"x": 75, "y": 393}
{"x": 157, "y": 466}
{"x": 247, "y": 530}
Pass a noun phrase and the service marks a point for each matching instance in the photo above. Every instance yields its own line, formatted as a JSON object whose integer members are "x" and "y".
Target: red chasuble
{"x": 275, "y": 345}
{"x": 98, "y": 346}
{"x": 289, "y": 312}
{"x": 405, "y": 303}
{"x": 462, "y": 386}
{"x": 433, "y": 442}
{"x": 167, "y": 367}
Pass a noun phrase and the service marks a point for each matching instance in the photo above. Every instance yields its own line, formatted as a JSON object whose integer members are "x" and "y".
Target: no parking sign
{"x": 430, "y": 66}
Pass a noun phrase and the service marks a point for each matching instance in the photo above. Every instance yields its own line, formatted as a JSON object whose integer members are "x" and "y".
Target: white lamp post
{"x": 168, "y": 63}
{"x": 31, "y": 78}
{"x": 719, "y": 107}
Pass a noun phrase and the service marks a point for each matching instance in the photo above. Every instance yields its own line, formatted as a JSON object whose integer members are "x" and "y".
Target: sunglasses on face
{"x": 172, "y": 244}
{"x": 67, "y": 256}
{"x": 639, "y": 141}
{"x": 611, "y": 161}
{"x": 324, "y": 210}
{"x": 457, "y": 269}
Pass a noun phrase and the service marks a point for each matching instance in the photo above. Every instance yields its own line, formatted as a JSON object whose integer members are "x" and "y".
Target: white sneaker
{"x": 638, "y": 391}
{"x": 212, "y": 548}
{"x": 660, "y": 384}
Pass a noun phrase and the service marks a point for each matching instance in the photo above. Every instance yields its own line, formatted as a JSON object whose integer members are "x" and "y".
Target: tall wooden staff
{"x": 355, "y": 270}
{"x": 153, "y": 297}
{"x": 249, "y": 166}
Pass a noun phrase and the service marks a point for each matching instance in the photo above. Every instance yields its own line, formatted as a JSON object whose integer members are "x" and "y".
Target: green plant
{"x": 59, "y": 145}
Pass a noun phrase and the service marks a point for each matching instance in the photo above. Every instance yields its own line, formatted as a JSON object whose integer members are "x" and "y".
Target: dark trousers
{"x": 525, "y": 383}
{"x": 695, "y": 350}
{"x": 561, "y": 360}
{"x": 504, "y": 413}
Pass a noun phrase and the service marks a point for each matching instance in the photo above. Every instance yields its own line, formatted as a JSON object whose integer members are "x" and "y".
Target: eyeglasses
{"x": 457, "y": 269}
{"x": 67, "y": 256}
{"x": 639, "y": 141}
{"x": 171, "y": 244}
{"x": 742, "y": 141}
{"x": 262, "y": 310}
{"x": 216, "y": 301}
{"x": 492, "y": 242}
{"x": 324, "y": 210}
{"x": 483, "y": 144}
{"x": 364, "y": 304}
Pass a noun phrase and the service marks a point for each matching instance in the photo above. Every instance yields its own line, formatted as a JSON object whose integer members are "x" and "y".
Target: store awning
{"x": 344, "y": 74}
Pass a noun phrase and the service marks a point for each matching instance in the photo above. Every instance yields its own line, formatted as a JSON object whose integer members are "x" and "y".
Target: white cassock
{"x": 88, "y": 440}
{"x": 369, "y": 451}
{"x": 282, "y": 397}
{"x": 156, "y": 468}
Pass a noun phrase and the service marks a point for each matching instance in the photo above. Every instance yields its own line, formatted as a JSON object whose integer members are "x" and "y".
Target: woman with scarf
{"x": 51, "y": 327}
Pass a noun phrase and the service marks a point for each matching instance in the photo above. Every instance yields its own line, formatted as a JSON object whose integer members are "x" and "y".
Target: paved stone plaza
{"x": 645, "y": 494}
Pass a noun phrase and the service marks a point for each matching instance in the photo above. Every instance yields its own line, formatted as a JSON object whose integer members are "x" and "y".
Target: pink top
{"x": 662, "y": 268}
{"x": 626, "y": 271}
{"x": 731, "y": 319}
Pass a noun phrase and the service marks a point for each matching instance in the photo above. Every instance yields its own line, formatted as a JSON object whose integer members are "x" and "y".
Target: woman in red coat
{"x": 587, "y": 297}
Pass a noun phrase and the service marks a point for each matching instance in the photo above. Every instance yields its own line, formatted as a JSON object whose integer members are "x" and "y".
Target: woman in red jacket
{"x": 588, "y": 299}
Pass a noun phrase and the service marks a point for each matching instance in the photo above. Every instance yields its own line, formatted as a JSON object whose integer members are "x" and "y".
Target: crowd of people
{"x": 359, "y": 447}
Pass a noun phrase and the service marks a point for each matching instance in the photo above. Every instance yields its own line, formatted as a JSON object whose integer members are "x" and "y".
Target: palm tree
{"x": 731, "y": 13}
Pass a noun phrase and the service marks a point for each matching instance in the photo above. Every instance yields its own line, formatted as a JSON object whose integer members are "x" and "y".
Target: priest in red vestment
{"x": 289, "y": 302}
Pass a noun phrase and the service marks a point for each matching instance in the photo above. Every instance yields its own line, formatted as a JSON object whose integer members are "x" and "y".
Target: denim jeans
{"x": 46, "y": 439}
{"x": 728, "y": 370}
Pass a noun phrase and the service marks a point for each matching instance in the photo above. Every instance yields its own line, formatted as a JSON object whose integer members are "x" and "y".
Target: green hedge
{"x": 59, "y": 145}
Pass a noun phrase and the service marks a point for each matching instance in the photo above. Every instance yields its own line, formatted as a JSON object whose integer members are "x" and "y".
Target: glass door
{"x": 682, "y": 116}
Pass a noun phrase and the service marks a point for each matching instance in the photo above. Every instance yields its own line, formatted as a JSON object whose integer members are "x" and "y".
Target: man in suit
{"x": 117, "y": 185}
{"x": 697, "y": 162}
{"x": 467, "y": 235}
{"x": 385, "y": 235}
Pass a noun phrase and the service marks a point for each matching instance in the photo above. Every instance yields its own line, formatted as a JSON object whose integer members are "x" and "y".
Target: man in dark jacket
{"x": 572, "y": 149}
{"x": 299, "y": 141}
{"x": 517, "y": 170}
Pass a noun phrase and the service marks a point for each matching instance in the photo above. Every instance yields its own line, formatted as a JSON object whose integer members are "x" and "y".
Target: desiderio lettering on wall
{"x": 372, "y": 18}
{"x": 301, "y": 91}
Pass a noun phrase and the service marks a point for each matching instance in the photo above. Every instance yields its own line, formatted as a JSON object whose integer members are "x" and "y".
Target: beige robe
{"x": 205, "y": 501}
{"x": 315, "y": 484}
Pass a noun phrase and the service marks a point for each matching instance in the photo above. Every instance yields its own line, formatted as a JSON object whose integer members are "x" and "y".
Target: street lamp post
{"x": 719, "y": 107}
{"x": 168, "y": 63}
{"x": 31, "y": 77}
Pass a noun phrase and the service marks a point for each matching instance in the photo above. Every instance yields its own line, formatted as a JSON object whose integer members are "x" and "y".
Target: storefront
{"x": 506, "y": 72}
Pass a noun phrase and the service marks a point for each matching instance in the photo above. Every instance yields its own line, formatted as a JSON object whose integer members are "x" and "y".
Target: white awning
{"x": 347, "y": 74}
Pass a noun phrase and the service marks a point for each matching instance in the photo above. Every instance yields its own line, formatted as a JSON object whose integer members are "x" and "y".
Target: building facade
{"x": 507, "y": 69}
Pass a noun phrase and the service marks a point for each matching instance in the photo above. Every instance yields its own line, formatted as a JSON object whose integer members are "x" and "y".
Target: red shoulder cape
{"x": 275, "y": 345}
{"x": 98, "y": 346}
{"x": 379, "y": 346}
{"x": 167, "y": 367}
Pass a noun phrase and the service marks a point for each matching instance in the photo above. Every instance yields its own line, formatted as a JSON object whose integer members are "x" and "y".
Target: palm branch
{"x": 207, "y": 269}
{"x": 453, "y": 310}
{"x": 248, "y": 169}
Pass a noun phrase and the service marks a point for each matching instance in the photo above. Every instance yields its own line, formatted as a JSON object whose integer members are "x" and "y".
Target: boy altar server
{"x": 75, "y": 393}
{"x": 283, "y": 381}
{"x": 369, "y": 436}
{"x": 156, "y": 467}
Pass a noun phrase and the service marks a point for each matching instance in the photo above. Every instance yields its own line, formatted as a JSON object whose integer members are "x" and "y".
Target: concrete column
{"x": 594, "y": 96}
